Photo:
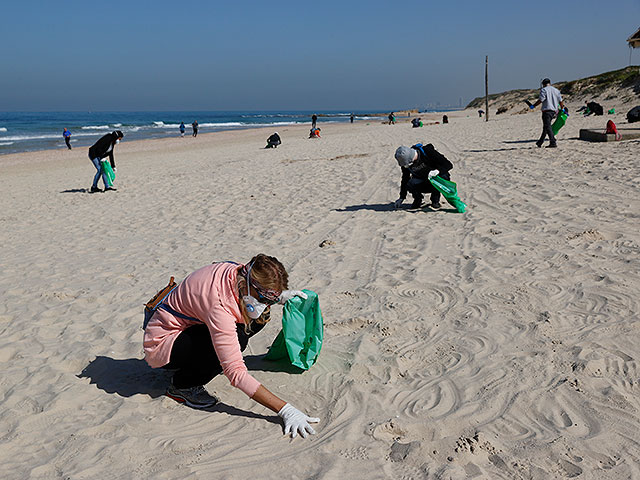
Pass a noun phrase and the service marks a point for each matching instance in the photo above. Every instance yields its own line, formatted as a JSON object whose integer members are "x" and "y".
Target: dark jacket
{"x": 103, "y": 148}
{"x": 428, "y": 159}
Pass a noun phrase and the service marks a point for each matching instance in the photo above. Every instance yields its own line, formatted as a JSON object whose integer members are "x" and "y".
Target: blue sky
{"x": 346, "y": 55}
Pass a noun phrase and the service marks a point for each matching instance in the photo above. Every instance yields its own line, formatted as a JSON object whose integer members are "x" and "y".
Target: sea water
{"x": 29, "y": 131}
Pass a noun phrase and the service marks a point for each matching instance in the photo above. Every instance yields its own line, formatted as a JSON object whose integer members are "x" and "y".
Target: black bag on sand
{"x": 633, "y": 115}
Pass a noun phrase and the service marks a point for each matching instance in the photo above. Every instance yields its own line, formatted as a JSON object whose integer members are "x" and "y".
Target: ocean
{"x": 29, "y": 131}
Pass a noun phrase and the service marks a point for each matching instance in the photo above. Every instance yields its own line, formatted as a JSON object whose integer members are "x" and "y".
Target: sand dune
{"x": 499, "y": 343}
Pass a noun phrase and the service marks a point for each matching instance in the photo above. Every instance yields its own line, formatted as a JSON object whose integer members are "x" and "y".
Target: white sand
{"x": 499, "y": 343}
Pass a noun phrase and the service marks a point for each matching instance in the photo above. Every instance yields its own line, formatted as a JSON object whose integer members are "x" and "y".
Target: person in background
{"x": 202, "y": 327}
{"x": 445, "y": 119}
{"x": 351, "y": 118}
{"x": 273, "y": 141}
{"x": 481, "y": 112}
{"x": 67, "y": 138}
{"x": 101, "y": 149}
{"x": 182, "y": 129}
{"x": 419, "y": 164}
{"x": 194, "y": 125}
{"x": 550, "y": 98}
{"x": 314, "y": 120}
{"x": 392, "y": 118}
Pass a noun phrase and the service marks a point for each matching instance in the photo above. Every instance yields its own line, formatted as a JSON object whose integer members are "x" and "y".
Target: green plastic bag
{"x": 611, "y": 111}
{"x": 559, "y": 123}
{"x": 106, "y": 168}
{"x": 450, "y": 192}
{"x": 300, "y": 339}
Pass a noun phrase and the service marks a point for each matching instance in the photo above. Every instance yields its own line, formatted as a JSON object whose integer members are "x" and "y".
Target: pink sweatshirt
{"x": 208, "y": 294}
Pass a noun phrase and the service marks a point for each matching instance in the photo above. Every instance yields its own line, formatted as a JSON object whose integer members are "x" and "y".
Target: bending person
{"x": 273, "y": 141}
{"x": 101, "y": 149}
{"x": 204, "y": 324}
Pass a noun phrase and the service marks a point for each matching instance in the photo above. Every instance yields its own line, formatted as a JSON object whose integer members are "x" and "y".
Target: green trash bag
{"x": 559, "y": 123}
{"x": 106, "y": 168}
{"x": 450, "y": 192}
{"x": 611, "y": 111}
{"x": 300, "y": 339}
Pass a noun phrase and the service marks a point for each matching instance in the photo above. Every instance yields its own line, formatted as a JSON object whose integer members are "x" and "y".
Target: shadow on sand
{"x": 388, "y": 207}
{"x": 132, "y": 376}
{"x": 75, "y": 190}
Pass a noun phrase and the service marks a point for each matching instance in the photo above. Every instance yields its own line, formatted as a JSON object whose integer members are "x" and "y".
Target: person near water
{"x": 67, "y": 138}
{"x": 551, "y": 99}
{"x": 202, "y": 327}
{"x": 314, "y": 120}
{"x": 392, "y": 118}
{"x": 182, "y": 128}
{"x": 314, "y": 132}
{"x": 194, "y": 125}
{"x": 351, "y": 118}
{"x": 419, "y": 164}
{"x": 273, "y": 141}
{"x": 101, "y": 149}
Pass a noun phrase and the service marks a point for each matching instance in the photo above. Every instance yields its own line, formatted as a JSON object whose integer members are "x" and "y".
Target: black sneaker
{"x": 110, "y": 189}
{"x": 416, "y": 204}
{"x": 538, "y": 144}
{"x": 552, "y": 145}
{"x": 194, "y": 397}
{"x": 94, "y": 190}
{"x": 436, "y": 205}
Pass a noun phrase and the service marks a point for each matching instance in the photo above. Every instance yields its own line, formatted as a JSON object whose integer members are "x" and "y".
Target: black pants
{"x": 67, "y": 140}
{"x": 547, "y": 118}
{"x": 194, "y": 357}
{"x": 195, "y": 132}
{"x": 418, "y": 186}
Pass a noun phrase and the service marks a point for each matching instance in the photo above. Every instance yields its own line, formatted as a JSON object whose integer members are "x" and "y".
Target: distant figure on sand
{"x": 101, "y": 149}
{"x": 392, "y": 118}
{"x": 550, "y": 98}
{"x": 67, "y": 138}
{"x": 351, "y": 118}
{"x": 419, "y": 164}
{"x": 445, "y": 119}
{"x": 194, "y": 125}
{"x": 273, "y": 141}
{"x": 480, "y": 113}
{"x": 416, "y": 122}
{"x": 314, "y": 120}
{"x": 204, "y": 324}
{"x": 182, "y": 128}
{"x": 314, "y": 133}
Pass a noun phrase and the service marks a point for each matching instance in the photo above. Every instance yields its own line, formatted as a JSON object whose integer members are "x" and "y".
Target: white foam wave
{"x": 4, "y": 144}
{"x": 159, "y": 124}
{"x": 96, "y": 127}
{"x": 117, "y": 124}
{"x": 3, "y": 129}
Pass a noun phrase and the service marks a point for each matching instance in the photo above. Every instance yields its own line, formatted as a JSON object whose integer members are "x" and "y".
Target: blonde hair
{"x": 269, "y": 273}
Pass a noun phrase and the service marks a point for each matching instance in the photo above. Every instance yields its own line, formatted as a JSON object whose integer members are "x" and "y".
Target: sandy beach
{"x": 501, "y": 343}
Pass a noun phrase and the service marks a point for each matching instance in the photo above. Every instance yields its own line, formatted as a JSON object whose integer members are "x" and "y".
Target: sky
{"x": 298, "y": 55}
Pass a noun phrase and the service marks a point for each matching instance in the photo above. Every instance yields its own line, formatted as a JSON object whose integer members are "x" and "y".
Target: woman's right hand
{"x": 295, "y": 421}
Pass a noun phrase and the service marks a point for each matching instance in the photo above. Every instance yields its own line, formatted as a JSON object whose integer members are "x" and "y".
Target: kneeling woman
{"x": 204, "y": 324}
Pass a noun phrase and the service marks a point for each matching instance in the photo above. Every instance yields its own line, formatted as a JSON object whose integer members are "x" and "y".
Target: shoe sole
{"x": 186, "y": 402}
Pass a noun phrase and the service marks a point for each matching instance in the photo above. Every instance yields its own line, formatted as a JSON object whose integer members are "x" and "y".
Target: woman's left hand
{"x": 287, "y": 295}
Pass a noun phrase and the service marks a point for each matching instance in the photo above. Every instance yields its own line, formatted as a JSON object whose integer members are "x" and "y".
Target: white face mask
{"x": 253, "y": 306}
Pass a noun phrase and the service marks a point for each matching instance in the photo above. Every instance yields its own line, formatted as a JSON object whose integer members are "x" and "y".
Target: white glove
{"x": 115, "y": 170}
{"x": 287, "y": 295}
{"x": 295, "y": 421}
{"x": 432, "y": 174}
{"x": 398, "y": 203}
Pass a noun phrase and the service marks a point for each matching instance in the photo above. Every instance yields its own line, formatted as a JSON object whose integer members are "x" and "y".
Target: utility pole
{"x": 486, "y": 88}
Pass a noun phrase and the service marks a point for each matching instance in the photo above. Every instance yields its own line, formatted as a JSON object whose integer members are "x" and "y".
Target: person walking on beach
{"x": 194, "y": 125}
{"x": 182, "y": 129}
{"x": 419, "y": 164}
{"x": 351, "y": 118}
{"x": 67, "y": 138}
{"x": 392, "y": 118}
{"x": 101, "y": 149}
{"x": 550, "y": 98}
{"x": 314, "y": 120}
{"x": 204, "y": 324}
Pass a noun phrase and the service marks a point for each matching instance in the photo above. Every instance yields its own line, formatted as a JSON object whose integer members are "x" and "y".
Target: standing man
{"x": 419, "y": 164}
{"x": 101, "y": 149}
{"x": 67, "y": 137}
{"x": 351, "y": 118}
{"x": 551, "y": 99}
{"x": 314, "y": 120}
{"x": 194, "y": 125}
{"x": 182, "y": 129}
